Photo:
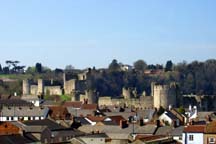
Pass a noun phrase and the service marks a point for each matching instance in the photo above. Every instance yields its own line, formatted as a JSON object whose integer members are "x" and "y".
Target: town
{"x": 81, "y": 107}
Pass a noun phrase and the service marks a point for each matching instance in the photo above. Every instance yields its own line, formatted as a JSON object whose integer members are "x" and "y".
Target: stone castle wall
{"x": 52, "y": 90}
{"x": 69, "y": 86}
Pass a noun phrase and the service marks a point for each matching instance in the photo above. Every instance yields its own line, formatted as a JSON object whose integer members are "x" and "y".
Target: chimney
{"x": 123, "y": 124}
{"x": 170, "y": 107}
{"x": 141, "y": 122}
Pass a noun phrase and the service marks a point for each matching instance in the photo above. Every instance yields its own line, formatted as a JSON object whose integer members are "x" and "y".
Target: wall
{"x": 34, "y": 89}
{"x": 53, "y": 90}
{"x": 105, "y": 101}
{"x": 69, "y": 86}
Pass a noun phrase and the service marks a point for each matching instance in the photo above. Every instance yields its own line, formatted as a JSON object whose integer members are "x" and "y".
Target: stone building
{"x": 40, "y": 88}
{"x": 165, "y": 95}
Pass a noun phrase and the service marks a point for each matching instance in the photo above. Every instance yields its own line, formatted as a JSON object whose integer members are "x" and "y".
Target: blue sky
{"x": 86, "y": 33}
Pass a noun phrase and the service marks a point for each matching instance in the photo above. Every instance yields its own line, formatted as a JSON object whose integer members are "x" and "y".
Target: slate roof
{"x": 171, "y": 115}
{"x": 177, "y": 131}
{"x": 14, "y": 139}
{"x": 46, "y": 122}
{"x": 14, "y": 102}
{"x": 22, "y": 111}
{"x": 113, "y": 129}
{"x": 146, "y": 114}
{"x": 165, "y": 130}
{"x": 80, "y": 112}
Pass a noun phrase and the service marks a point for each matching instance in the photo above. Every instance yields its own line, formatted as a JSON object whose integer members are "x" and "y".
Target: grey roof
{"x": 67, "y": 132}
{"x": 125, "y": 115}
{"x": 146, "y": 114}
{"x": 79, "y": 112}
{"x": 22, "y": 111}
{"x": 165, "y": 130}
{"x": 14, "y": 102}
{"x": 46, "y": 122}
{"x": 97, "y": 135}
{"x": 177, "y": 131}
{"x": 147, "y": 129}
{"x": 204, "y": 114}
{"x": 82, "y": 120}
{"x": 14, "y": 139}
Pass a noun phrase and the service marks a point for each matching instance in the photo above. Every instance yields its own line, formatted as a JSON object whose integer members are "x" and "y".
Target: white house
{"x": 193, "y": 134}
{"x": 169, "y": 118}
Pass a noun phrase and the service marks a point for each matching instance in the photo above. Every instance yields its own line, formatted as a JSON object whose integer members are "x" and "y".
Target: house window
{"x": 191, "y": 137}
{"x": 211, "y": 140}
{"x": 7, "y": 118}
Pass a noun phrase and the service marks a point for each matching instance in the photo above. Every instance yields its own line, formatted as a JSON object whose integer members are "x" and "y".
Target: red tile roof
{"x": 89, "y": 106}
{"x": 195, "y": 128}
{"x": 96, "y": 118}
{"x": 58, "y": 112}
{"x": 74, "y": 104}
{"x": 117, "y": 119}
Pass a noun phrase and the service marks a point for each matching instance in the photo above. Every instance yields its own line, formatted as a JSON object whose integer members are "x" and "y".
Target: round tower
{"x": 164, "y": 95}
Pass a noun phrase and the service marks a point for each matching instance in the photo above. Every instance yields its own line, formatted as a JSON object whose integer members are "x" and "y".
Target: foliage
{"x": 181, "y": 110}
{"x": 169, "y": 66}
{"x": 140, "y": 65}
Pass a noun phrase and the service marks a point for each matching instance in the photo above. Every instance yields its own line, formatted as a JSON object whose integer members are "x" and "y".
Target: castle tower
{"x": 164, "y": 95}
{"x": 92, "y": 96}
{"x": 26, "y": 87}
{"x": 64, "y": 80}
{"x": 126, "y": 92}
{"x": 40, "y": 90}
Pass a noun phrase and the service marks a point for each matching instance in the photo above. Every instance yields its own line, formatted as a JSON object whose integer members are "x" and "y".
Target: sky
{"x": 87, "y": 33}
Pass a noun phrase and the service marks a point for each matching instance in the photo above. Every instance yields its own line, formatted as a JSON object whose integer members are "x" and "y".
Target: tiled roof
{"x": 89, "y": 106}
{"x": 49, "y": 123}
{"x": 74, "y": 104}
{"x": 117, "y": 119}
{"x": 194, "y": 129}
{"x": 58, "y": 112}
{"x": 96, "y": 118}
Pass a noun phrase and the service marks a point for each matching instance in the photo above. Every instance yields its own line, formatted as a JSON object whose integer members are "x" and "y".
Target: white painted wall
{"x": 198, "y": 138}
{"x": 165, "y": 118}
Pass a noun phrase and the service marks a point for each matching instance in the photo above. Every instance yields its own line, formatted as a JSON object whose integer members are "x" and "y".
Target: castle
{"x": 76, "y": 88}
{"x": 161, "y": 96}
